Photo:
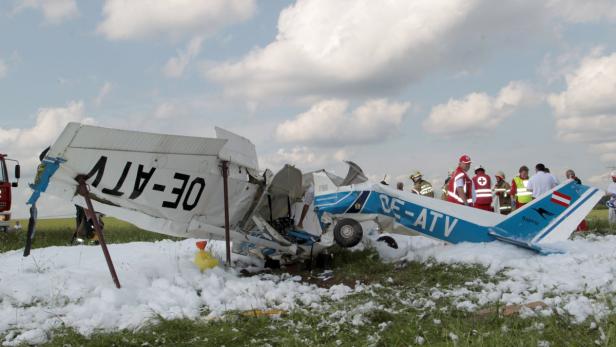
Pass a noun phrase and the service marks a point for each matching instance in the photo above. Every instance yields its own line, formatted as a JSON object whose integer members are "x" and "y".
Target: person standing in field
{"x": 501, "y": 191}
{"x": 611, "y": 204}
{"x": 421, "y": 186}
{"x": 460, "y": 186}
{"x": 519, "y": 193}
{"x": 483, "y": 189}
{"x": 541, "y": 182}
{"x": 570, "y": 174}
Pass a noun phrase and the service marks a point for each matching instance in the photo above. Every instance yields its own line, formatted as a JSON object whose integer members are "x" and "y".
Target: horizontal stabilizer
{"x": 543, "y": 250}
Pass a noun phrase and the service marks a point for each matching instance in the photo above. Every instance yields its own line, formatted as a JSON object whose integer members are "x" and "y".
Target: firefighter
{"x": 460, "y": 186}
{"x": 501, "y": 190}
{"x": 421, "y": 186}
{"x": 445, "y": 185}
{"x": 520, "y": 195}
{"x": 483, "y": 190}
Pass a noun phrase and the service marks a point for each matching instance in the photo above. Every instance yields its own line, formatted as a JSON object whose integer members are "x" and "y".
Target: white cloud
{"x": 27, "y": 143}
{"x": 368, "y": 47}
{"x": 577, "y": 11}
{"x": 304, "y": 158}
{"x": 55, "y": 11}
{"x": 599, "y": 180}
{"x": 329, "y": 122}
{"x": 135, "y": 19}
{"x": 479, "y": 111}
{"x": 554, "y": 68}
{"x": 175, "y": 66}
{"x": 172, "y": 110}
{"x": 586, "y": 110}
{"x": 3, "y": 69}
{"x": 105, "y": 89}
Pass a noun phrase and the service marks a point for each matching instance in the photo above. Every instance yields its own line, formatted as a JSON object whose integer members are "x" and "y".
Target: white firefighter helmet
{"x": 415, "y": 175}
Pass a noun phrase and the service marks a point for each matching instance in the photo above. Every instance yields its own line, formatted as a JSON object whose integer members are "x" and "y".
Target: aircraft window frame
{"x": 3, "y": 173}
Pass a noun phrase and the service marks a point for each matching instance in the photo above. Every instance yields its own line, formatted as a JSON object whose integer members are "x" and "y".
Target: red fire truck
{"x": 5, "y": 191}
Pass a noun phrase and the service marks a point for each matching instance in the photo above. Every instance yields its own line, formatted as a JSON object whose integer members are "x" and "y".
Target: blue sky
{"x": 394, "y": 86}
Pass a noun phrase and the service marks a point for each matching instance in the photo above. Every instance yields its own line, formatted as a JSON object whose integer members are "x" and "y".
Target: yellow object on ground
{"x": 203, "y": 259}
{"x": 263, "y": 313}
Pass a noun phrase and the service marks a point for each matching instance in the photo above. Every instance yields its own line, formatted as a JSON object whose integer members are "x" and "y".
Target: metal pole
{"x": 225, "y": 176}
{"x": 83, "y": 191}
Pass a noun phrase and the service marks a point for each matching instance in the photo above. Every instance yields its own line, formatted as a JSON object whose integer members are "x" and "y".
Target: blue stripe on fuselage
{"x": 413, "y": 217}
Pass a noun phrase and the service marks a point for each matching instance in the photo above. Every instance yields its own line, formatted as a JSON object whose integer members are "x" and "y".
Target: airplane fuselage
{"x": 402, "y": 215}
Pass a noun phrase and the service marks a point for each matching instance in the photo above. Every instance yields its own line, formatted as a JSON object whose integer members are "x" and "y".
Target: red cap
{"x": 201, "y": 244}
{"x": 465, "y": 159}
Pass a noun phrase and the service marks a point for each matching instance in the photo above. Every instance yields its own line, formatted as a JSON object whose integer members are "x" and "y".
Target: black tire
{"x": 271, "y": 263}
{"x": 390, "y": 241}
{"x": 348, "y": 233}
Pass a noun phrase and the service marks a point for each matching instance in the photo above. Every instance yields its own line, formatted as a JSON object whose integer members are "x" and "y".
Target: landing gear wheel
{"x": 348, "y": 233}
{"x": 271, "y": 263}
{"x": 389, "y": 241}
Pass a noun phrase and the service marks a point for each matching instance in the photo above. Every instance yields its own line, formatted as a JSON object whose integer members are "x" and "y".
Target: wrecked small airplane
{"x": 212, "y": 188}
{"x": 550, "y": 218}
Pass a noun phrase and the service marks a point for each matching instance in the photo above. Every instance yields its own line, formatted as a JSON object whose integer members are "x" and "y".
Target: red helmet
{"x": 465, "y": 159}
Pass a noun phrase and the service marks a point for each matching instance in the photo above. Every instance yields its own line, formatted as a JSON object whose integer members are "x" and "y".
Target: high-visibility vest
{"x": 424, "y": 188}
{"x": 452, "y": 195}
{"x": 483, "y": 189}
{"x": 523, "y": 195}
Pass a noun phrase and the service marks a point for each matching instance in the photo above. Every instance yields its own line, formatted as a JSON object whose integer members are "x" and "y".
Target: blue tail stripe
{"x": 534, "y": 218}
{"x": 566, "y": 215}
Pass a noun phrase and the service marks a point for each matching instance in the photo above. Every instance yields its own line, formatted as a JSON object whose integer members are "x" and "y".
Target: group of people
{"x": 502, "y": 197}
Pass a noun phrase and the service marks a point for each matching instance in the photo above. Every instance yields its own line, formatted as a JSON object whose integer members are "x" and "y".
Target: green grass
{"x": 598, "y": 224}
{"x": 58, "y": 232}
{"x": 394, "y": 321}
{"x": 381, "y": 329}
{"x": 400, "y": 293}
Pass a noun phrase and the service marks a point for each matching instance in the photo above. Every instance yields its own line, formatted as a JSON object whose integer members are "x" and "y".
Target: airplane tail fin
{"x": 550, "y": 218}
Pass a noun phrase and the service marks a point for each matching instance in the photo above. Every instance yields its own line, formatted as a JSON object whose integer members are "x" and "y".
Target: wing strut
{"x": 225, "y": 176}
{"x": 83, "y": 191}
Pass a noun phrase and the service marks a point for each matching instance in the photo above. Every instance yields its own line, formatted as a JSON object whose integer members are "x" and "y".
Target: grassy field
{"x": 58, "y": 232}
{"x": 398, "y": 316}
